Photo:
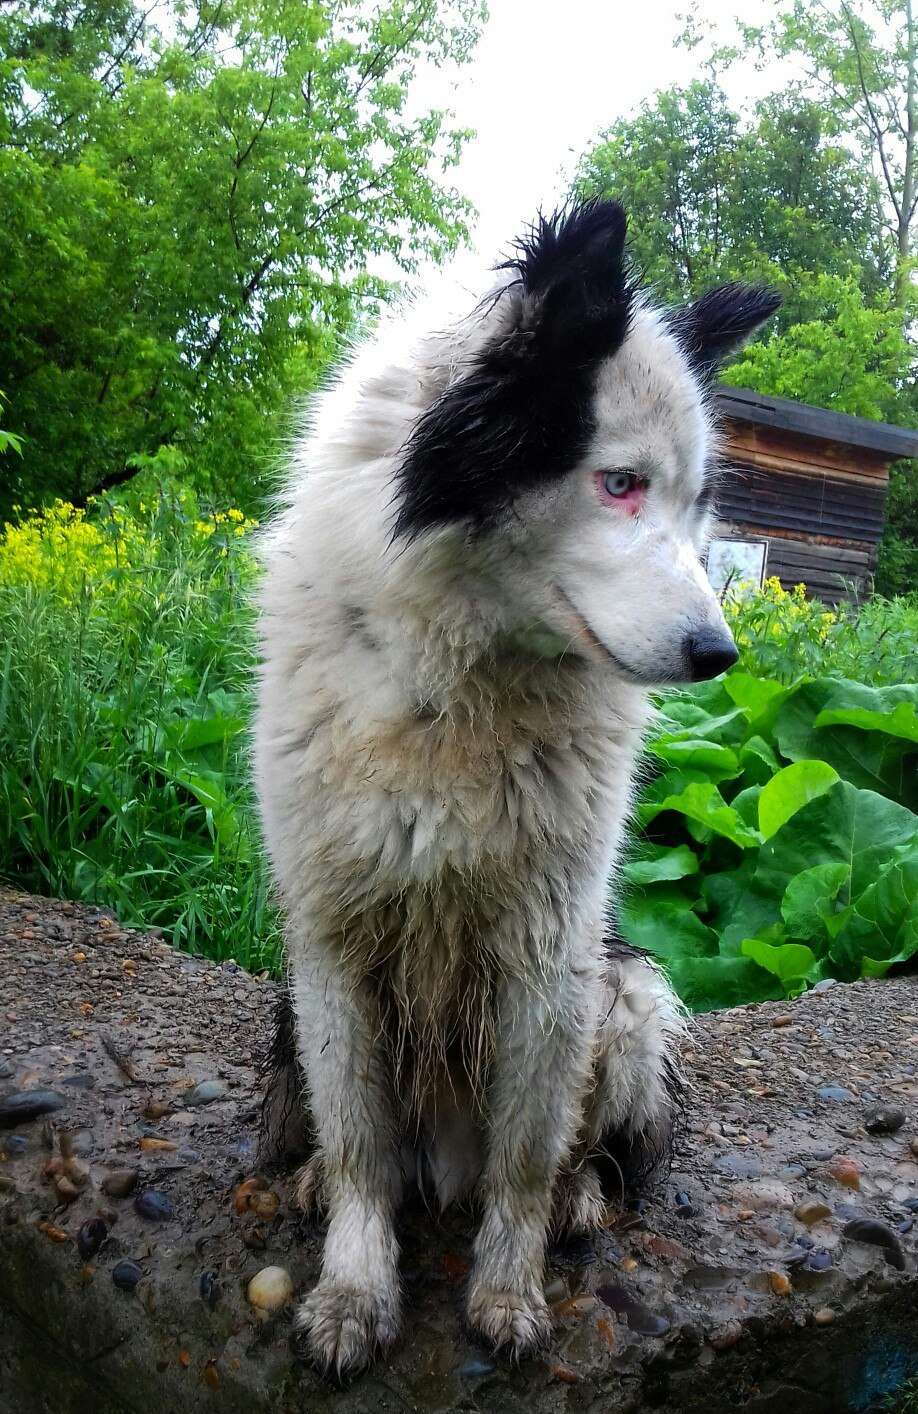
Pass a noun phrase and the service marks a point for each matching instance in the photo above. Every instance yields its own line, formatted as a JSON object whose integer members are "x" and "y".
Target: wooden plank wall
{"x": 819, "y": 504}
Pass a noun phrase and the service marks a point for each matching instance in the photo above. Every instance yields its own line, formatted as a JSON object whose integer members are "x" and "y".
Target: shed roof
{"x": 743, "y": 405}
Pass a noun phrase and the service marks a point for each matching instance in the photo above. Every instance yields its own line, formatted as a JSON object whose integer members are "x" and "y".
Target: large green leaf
{"x": 791, "y": 963}
{"x": 873, "y": 760}
{"x": 808, "y": 907}
{"x": 899, "y": 721}
{"x": 716, "y": 762}
{"x": 703, "y": 804}
{"x": 790, "y": 790}
{"x": 665, "y": 928}
{"x": 658, "y": 863}
{"x": 760, "y": 699}
{"x": 857, "y": 828}
{"x": 705, "y": 983}
{"x": 882, "y": 926}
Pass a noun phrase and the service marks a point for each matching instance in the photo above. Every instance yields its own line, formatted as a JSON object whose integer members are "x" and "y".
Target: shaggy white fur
{"x": 446, "y": 740}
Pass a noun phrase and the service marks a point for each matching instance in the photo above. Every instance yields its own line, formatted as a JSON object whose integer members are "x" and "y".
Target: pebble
{"x": 879, "y": 1235}
{"x": 824, "y": 1316}
{"x": 264, "y": 1205}
{"x": 270, "y": 1288}
{"x": 118, "y": 1183}
{"x": 837, "y": 1093}
{"x": 847, "y": 1172}
{"x": 910, "y": 1205}
{"x": 26, "y": 1105}
{"x": 779, "y": 1284}
{"x": 738, "y": 1165}
{"x": 243, "y": 1194}
{"x": 127, "y": 1274}
{"x": 819, "y": 1260}
{"x": 884, "y": 1119}
{"x": 16, "y": 1143}
{"x": 6, "y": 1070}
{"x": 913, "y": 1145}
{"x": 90, "y": 1237}
{"x": 726, "y": 1336}
{"x": 476, "y": 1366}
{"x": 638, "y": 1317}
{"x": 75, "y": 1141}
{"x": 763, "y": 1195}
{"x": 205, "y": 1093}
{"x": 156, "y": 1207}
{"x": 80, "y": 1080}
{"x": 811, "y": 1213}
{"x": 207, "y": 1285}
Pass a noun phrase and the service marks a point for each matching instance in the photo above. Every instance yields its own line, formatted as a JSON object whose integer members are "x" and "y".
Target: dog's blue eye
{"x": 619, "y": 483}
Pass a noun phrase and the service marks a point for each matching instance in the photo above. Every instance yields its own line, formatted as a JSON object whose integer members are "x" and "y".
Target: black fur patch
{"x": 521, "y": 417}
{"x": 717, "y": 324}
{"x": 284, "y": 1134}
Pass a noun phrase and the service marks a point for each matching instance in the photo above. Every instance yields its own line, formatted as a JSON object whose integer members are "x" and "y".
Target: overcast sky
{"x": 537, "y": 91}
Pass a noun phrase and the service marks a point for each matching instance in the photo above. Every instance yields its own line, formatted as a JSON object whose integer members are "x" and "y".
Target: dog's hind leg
{"x": 542, "y": 1056}
{"x": 637, "y": 1082}
{"x": 353, "y": 1311}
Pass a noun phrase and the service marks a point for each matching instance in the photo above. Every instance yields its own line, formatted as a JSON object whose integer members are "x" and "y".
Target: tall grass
{"x": 126, "y": 656}
{"x": 123, "y": 714}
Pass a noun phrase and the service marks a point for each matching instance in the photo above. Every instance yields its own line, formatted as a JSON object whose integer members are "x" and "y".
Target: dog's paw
{"x": 579, "y": 1207}
{"x": 341, "y": 1330}
{"x": 510, "y": 1320}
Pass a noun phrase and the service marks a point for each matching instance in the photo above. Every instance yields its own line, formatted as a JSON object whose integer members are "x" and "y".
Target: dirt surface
{"x": 775, "y": 1269}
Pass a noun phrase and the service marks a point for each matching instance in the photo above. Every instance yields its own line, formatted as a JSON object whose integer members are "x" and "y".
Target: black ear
{"x": 577, "y": 299}
{"x": 521, "y": 414}
{"x": 720, "y": 322}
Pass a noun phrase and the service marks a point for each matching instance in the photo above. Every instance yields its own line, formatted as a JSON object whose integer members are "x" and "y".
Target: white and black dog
{"x": 489, "y": 553}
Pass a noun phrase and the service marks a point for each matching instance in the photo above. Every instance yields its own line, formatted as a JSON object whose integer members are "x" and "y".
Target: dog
{"x": 489, "y": 554}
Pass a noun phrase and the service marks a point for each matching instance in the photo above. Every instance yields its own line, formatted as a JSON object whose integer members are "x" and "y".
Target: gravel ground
{"x": 774, "y": 1270}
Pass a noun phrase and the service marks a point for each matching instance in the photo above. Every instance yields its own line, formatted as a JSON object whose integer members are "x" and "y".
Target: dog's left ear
{"x": 577, "y": 299}
{"x": 720, "y": 321}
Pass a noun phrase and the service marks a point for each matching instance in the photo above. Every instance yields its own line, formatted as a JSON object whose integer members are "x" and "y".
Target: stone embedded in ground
{"x": 270, "y": 1288}
{"x": 160, "y": 1314}
{"x": 205, "y": 1093}
{"x": 884, "y": 1119}
{"x": 26, "y": 1105}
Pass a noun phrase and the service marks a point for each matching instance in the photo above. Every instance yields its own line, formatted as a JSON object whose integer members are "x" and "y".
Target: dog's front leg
{"x": 542, "y": 1058}
{"x": 353, "y": 1312}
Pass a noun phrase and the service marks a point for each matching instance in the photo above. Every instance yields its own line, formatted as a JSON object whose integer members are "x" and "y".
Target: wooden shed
{"x": 811, "y": 485}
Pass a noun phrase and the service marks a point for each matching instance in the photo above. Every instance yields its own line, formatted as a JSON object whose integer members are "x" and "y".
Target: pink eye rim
{"x": 626, "y": 492}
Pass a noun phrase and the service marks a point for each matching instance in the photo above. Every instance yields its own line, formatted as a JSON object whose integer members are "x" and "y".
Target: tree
{"x": 861, "y": 65}
{"x": 196, "y": 212}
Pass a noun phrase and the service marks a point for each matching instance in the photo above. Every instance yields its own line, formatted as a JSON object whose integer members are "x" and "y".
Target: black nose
{"x": 709, "y": 651}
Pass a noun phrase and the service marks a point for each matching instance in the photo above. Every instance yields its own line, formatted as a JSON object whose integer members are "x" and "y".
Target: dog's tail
{"x": 284, "y": 1137}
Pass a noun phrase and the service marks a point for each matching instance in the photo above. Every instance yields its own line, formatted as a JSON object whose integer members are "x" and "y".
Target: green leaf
{"x": 857, "y": 828}
{"x": 703, "y": 804}
{"x": 882, "y": 926}
{"x": 716, "y": 762}
{"x": 808, "y": 907}
{"x": 790, "y": 790}
{"x": 705, "y": 983}
{"x": 870, "y": 759}
{"x": 899, "y": 721}
{"x": 665, "y": 929}
{"x": 791, "y": 963}
{"x": 759, "y": 698}
{"x": 659, "y": 862}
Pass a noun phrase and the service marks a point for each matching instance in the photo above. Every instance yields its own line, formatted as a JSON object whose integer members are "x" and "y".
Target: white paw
{"x": 341, "y": 1330}
{"x": 579, "y": 1205}
{"x": 512, "y": 1320}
